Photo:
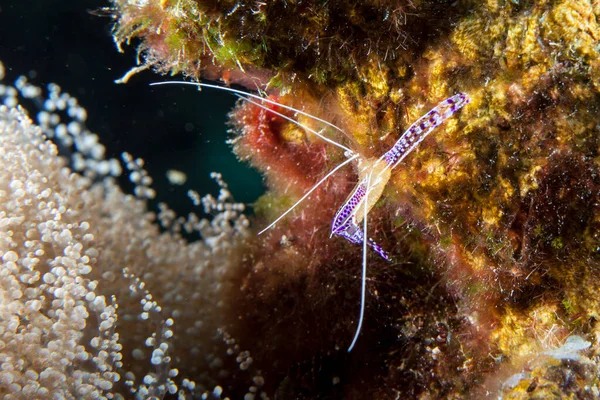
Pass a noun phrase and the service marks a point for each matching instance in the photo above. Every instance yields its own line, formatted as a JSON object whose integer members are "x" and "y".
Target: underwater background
{"x": 70, "y": 43}
{"x": 110, "y": 289}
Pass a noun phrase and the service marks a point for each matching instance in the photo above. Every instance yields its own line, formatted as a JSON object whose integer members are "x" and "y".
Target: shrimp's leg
{"x": 364, "y": 272}
{"x": 354, "y": 234}
{"x": 309, "y": 192}
{"x": 344, "y": 223}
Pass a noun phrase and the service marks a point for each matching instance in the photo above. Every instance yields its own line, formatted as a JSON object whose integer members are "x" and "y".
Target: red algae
{"x": 282, "y": 161}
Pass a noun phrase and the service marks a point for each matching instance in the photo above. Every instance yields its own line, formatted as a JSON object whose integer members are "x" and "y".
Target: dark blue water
{"x": 67, "y": 42}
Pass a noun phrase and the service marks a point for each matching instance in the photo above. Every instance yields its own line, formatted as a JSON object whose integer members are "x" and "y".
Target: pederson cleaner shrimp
{"x": 373, "y": 175}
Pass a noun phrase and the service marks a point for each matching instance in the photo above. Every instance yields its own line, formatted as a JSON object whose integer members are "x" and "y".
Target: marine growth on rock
{"x": 491, "y": 224}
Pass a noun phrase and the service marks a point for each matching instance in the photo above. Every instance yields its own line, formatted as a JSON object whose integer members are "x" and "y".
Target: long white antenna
{"x": 297, "y": 123}
{"x": 364, "y": 268}
{"x": 244, "y": 96}
{"x": 308, "y": 193}
{"x": 228, "y": 89}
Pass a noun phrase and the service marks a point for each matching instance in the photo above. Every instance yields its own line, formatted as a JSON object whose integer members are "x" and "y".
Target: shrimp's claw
{"x": 423, "y": 127}
{"x": 379, "y": 250}
{"x": 352, "y": 232}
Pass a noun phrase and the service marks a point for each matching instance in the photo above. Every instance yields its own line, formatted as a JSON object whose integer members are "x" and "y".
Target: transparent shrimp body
{"x": 373, "y": 176}
{"x": 375, "y": 173}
